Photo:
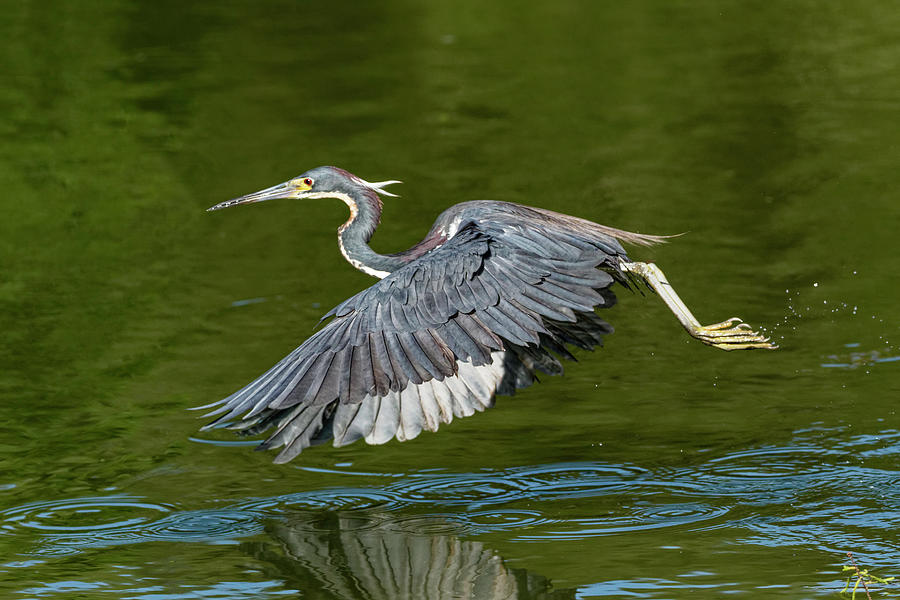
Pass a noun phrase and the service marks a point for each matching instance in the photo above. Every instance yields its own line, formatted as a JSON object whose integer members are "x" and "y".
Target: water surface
{"x": 656, "y": 468}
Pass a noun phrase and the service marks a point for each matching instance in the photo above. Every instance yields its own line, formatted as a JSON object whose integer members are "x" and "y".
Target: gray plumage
{"x": 492, "y": 295}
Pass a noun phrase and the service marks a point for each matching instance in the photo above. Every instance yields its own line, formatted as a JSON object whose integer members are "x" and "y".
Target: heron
{"x": 495, "y": 293}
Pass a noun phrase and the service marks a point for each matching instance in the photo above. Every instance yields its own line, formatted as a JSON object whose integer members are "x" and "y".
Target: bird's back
{"x": 504, "y": 216}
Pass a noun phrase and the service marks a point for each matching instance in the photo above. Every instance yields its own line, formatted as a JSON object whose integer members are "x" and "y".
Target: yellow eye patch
{"x": 302, "y": 184}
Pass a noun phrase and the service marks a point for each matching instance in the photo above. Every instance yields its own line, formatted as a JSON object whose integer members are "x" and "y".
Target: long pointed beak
{"x": 282, "y": 190}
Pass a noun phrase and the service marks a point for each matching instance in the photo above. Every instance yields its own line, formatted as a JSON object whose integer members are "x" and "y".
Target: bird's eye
{"x": 308, "y": 181}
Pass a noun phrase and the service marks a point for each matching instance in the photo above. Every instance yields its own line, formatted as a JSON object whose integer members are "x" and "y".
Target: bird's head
{"x": 321, "y": 182}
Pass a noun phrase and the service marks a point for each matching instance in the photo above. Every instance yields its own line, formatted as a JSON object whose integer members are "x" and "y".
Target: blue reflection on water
{"x": 812, "y": 493}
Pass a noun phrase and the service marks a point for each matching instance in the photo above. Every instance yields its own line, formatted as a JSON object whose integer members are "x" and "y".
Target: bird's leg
{"x": 732, "y": 334}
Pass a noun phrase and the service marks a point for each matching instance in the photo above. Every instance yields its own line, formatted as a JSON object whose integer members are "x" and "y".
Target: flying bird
{"x": 494, "y": 293}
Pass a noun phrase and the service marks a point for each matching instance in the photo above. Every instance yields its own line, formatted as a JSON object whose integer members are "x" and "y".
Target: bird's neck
{"x": 354, "y": 235}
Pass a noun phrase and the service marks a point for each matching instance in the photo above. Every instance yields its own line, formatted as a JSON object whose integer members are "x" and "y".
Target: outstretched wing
{"x": 437, "y": 338}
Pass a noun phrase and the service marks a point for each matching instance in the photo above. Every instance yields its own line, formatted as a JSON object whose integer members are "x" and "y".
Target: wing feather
{"x": 439, "y": 337}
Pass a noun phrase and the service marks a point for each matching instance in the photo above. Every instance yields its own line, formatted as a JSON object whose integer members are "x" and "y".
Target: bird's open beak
{"x": 282, "y": 190}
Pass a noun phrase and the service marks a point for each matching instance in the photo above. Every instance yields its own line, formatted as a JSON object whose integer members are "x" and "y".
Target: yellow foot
{"x": 732, "y": 334}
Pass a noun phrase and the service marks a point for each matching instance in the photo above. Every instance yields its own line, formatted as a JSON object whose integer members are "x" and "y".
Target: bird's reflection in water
{"x": 347, "y": 557}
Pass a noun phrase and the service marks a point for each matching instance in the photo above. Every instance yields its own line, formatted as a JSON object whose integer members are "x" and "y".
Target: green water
{"x": 656, "y": 468}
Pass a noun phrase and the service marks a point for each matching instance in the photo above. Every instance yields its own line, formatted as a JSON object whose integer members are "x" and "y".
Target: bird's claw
{"x": 732, "y": 334}
{"x": 726, "y": 324}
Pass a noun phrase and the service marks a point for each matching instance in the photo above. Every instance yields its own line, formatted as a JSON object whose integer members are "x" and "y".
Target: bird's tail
{"x": 590, "y": 227}
{"x": 638, "y": 239}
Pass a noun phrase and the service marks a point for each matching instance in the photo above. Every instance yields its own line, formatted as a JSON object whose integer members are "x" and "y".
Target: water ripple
{"x": 476, "y": 489}
{"x": 632, "y": 518}
{"x": 343, "y": 499}
{"x": 82, "y": 514}
{"x": 809, "y": 489}
{"x": 574, "y": 480}
{"x": 509, "y": 519}
{"x": 750, "y": 468}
